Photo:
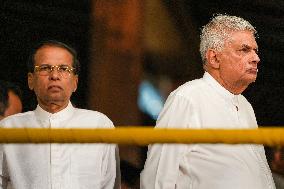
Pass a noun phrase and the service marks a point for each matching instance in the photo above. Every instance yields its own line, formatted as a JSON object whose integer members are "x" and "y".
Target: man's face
{"x": 53, "y": 89}
{"x": 239, "y": 59}
{"x": 14, "y": 104}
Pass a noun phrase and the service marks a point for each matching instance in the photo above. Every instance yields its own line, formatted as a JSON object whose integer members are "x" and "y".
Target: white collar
{"x": 61, "y": 115}
{"x": 220, "y": 89}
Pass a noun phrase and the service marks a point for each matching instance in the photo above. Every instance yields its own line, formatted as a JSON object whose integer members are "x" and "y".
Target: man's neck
{"x": 233, "y": 87}
{"x": 53, "y": 107}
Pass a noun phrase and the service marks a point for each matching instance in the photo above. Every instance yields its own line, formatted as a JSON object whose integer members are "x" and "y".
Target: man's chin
{"x": 252, "y": 79}
{"x": 56, "y": 98}
{"x": 248, "y": 80}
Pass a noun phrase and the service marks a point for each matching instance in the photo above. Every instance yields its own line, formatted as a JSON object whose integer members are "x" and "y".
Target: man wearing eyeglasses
{"x": 53, "y": 76}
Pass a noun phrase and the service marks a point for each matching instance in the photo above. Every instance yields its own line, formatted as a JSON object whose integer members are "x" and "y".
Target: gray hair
{"x": 217, "y": 31}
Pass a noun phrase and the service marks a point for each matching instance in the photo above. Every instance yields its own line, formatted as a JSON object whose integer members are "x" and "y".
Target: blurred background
{"x": 133, "y": 53}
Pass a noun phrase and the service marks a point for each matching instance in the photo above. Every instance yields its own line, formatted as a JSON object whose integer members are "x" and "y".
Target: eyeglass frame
{"x": 51, "y": 68}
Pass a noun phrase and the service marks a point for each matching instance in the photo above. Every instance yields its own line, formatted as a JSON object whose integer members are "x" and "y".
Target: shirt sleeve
{"x": 117, "y": 183}
{"x": 111, "y": 164}
{"x": 162, "y": 165}
{"x": 4, "y": 177}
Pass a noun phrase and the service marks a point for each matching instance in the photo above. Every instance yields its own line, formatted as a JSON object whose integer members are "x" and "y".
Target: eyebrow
{"x": 249, "y": 47}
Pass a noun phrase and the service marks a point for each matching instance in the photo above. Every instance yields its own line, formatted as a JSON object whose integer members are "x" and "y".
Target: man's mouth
{"x": 252, "y": 71}
{"x": 54, "y": 87}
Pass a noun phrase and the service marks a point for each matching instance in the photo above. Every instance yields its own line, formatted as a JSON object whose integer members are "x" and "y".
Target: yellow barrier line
{"x": 271, "y": 136}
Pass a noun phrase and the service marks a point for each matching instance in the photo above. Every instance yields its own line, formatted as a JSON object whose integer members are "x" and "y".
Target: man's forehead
{"x": 242, "y": 38}
{"x": 45, "y": 48}
{"x": 53, "y": 53}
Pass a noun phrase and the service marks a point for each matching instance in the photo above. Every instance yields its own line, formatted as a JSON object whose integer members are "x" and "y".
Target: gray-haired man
{"x": 230, "y": 60}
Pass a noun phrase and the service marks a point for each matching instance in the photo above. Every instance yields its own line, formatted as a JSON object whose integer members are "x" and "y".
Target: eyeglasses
{"x": 64, "y": 70}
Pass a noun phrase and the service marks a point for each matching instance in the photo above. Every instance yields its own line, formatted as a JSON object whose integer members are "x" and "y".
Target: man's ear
{"x": 212, "y": 59}
{"x": 75, "y": 83}
{"x": 31, "y": 80}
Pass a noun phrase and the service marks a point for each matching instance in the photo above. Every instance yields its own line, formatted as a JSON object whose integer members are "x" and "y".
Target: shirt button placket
{"x": 55, "y": 160}
{"x": 236, "y": 109}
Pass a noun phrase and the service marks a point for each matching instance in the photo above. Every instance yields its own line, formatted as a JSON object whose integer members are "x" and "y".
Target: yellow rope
{"x": 271, "y": 136}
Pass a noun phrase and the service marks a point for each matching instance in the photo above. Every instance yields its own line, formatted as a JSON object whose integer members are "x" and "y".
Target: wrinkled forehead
{"x": 245, "y": 37}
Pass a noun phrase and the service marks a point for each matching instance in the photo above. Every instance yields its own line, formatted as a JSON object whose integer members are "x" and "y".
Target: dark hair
{"x": 5, "y": 87}
{"x": 53, "y": 43}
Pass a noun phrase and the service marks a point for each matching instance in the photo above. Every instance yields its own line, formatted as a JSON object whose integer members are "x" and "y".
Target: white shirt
{"x": 58, "y": 166}
{"x": 204, "y": 103}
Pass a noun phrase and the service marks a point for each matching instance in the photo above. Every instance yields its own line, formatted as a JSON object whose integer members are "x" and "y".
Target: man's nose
{"x": 54, "y": 74}
{"x": 255, "y": 58}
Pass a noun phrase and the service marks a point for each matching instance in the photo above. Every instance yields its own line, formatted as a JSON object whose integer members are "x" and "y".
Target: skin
{"x": 277, "y": 163}
{"x": 15, "y": 105}
{"x": 235, "y": 66}
{"x": 53, "y": 92}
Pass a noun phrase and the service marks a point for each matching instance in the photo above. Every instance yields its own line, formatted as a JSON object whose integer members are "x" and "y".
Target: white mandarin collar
{"x": 61, "y": 115}
{"x": 220, "y": 89}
